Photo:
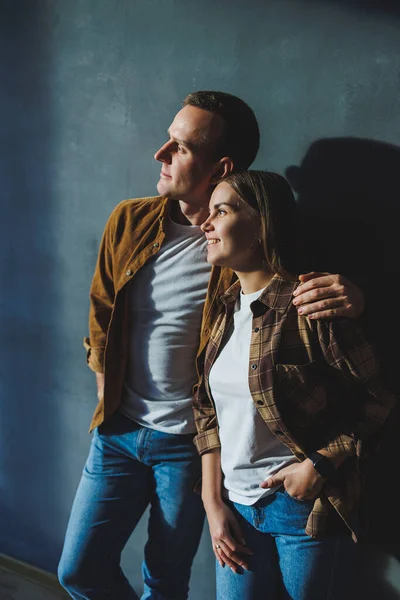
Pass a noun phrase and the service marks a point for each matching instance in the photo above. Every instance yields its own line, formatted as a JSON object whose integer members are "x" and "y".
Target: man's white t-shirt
{"x": 166, "y": 299}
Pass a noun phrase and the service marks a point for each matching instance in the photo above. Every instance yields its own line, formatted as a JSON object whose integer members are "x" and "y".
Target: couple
{"x": 154, "y": 301}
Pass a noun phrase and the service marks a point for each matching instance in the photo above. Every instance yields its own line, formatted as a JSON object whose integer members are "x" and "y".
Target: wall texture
{"x": 88, "y": 89}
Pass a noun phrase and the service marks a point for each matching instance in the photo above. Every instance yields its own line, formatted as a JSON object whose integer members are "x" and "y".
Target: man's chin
{"x": 160, "y": 188}
{"x": 163, "y": 189}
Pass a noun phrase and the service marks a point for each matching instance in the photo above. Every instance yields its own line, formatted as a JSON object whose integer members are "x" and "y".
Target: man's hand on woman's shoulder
{"x": 323, "y": 295}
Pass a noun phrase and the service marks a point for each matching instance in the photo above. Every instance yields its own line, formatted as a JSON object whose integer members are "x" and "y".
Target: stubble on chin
{"x": 160, "y": 187}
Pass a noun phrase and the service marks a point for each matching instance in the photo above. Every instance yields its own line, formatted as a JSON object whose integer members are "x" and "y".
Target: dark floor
{"x": 16, "y": 587}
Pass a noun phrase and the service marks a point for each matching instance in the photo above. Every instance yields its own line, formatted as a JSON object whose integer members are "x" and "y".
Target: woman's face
{"x": 232, "y": 232}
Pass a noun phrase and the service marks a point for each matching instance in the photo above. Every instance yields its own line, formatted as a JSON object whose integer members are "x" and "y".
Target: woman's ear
{"x": 224, "y": 168}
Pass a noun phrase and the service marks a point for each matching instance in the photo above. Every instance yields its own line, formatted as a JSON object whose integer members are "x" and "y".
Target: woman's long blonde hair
{"x": 270, "y": 197}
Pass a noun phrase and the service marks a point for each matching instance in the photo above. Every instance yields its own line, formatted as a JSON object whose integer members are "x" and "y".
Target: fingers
{"x": 323, "y": 297}
{"x": 323, "y": 287}
{"x": 229, "y": 551}
{"x": 226, "y": 555}
{"x": 268, "y": 483}
{"x": 274, "y": 480}
{"x": 217, "y": 549}
{"x": 329, "y": 314}
{"x": 231, "y": 546}
{"x": 241, "y": 547}
{"x": 308, "y": 276}
{"x": 329, "y": 307}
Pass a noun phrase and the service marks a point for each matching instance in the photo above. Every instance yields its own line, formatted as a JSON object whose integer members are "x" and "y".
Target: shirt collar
{"x": 165, "y": 205}
{"x": 277, "y": 295}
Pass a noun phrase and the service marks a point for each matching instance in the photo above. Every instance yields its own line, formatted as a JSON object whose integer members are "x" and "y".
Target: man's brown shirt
{"x": 133, "y": 234}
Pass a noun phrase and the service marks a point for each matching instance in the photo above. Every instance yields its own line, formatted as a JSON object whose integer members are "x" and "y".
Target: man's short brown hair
{"x": 241, "y": 138}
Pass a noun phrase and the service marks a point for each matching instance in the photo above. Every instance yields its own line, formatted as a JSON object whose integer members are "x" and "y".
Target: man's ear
{"x": 224, "y": 167}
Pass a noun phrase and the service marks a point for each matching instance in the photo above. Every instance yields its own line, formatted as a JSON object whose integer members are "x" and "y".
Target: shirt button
{"x": 260, "y": 403}
{"x": 128, "y": 273}
{"x": 257, "y": 329}
{"x": 254, "y": 367}
{"x": 156, "y": 245}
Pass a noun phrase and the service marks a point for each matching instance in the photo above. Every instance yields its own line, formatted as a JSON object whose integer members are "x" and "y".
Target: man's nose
{"x": 163, "y": 154}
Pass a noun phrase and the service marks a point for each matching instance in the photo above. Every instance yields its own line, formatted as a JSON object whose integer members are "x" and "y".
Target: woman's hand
{"x": 300, "y": 480}
{"x": 227, "y": 539}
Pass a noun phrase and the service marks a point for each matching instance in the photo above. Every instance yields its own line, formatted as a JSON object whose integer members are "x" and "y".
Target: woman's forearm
{"x": 227, "y": 538}
{"x": 211, "y": 477}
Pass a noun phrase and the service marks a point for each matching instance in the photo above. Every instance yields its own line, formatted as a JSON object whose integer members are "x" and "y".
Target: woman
{"x": 284, "y": 409}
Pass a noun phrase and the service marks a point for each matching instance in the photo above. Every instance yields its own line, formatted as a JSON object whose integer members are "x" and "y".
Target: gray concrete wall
{"x": 88, "y": 89}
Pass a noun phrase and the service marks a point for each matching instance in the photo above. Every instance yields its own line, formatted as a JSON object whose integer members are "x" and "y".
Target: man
{"x": 146, "y": 314}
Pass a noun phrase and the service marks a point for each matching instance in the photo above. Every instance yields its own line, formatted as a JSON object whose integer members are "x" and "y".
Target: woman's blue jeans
{"x": 286, "y": 563}
{"x": 128, "y": 468}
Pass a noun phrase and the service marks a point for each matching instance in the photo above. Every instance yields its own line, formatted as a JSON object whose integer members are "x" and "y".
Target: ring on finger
{"x": 217, "y": 546}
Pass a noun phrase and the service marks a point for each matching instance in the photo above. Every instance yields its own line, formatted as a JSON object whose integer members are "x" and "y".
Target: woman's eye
{"x": 221, "y": 212}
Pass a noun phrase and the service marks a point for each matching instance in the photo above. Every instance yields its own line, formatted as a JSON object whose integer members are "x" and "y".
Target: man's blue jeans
{"x": 287, "y": 563}
{"x": 128, "y": 468}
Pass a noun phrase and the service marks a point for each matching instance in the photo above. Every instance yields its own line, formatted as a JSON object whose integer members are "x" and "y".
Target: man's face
{"x": 188, "y": 160}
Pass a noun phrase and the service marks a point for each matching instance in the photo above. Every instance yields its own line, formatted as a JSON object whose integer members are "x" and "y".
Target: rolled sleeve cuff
{"x": 207, "y": 440}
{"x": 342, "y": 445}
{"x": 94, "y": 356}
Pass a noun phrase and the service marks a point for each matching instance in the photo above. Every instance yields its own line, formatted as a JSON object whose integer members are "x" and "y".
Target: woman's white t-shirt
{"x": 250, "y": 453}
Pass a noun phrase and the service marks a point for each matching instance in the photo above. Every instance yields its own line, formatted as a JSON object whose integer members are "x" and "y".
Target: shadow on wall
{"x": 348, "y": 197}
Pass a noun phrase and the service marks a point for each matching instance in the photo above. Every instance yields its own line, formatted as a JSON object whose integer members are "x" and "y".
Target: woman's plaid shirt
{"x": 316, "y": 384}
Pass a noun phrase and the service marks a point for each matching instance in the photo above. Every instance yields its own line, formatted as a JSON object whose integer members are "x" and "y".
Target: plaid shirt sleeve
{"x": 342, "y": 445}
{"x": 346, "y": 349}
{"x": 207, "y": 437}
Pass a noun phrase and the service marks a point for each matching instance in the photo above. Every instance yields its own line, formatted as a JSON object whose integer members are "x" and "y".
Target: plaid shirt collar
{"x": 277, "y": 295}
